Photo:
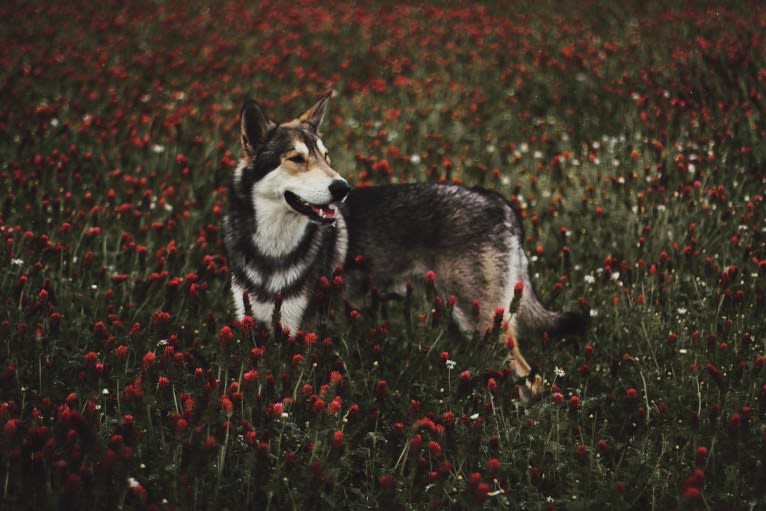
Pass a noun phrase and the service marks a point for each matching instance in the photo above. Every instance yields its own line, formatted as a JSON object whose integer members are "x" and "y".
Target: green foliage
{"x": 630, "y": 140}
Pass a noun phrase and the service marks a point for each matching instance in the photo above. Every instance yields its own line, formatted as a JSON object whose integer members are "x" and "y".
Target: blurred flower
{"x": 148, "y": 360}
{"x": 337, "y": 441}
{"x": 435, "y": 449}
{"x": 700, "y": 455}
{"x": 574, "y": 403}
{"x": 381, "y": 389}
{"x": 581, "y": 452}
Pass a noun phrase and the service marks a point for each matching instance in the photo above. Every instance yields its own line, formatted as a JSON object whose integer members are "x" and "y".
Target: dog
{"x": 292, "y": 219}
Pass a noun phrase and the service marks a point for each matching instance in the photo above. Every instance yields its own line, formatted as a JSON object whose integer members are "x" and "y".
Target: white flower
{"x": 589, "y": 279}
{"x": 559, "y": 372}
{"x": 450, "y": 364}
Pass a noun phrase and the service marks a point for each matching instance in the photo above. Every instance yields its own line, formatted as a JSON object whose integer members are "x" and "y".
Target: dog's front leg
{"x": 291, "y": 313}
{"x": 291, "y": 310}
{"x": 239, "y": 295}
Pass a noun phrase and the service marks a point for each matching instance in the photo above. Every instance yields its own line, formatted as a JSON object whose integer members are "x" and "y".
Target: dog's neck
{"x": 278, "y": 230}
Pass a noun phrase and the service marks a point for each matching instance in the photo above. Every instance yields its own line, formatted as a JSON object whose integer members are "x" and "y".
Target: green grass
{"x": 631, "y": 141}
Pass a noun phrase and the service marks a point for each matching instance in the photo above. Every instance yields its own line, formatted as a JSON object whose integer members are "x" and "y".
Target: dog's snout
{"x": 339, "y": 189}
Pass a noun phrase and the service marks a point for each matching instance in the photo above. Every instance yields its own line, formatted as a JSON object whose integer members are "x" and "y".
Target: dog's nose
{"x": 339, "y": 189}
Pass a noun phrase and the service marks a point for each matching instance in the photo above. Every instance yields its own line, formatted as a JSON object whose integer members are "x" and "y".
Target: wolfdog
{"x": 294, "y": 219}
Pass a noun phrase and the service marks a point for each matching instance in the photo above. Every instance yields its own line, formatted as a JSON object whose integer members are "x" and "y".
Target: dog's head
{"x": 288, "y": 164}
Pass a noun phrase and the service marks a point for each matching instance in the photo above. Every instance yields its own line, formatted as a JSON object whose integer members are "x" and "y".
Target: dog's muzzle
{"x": 322, "y": 213}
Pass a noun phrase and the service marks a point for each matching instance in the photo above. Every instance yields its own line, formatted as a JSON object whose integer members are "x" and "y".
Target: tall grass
{"x": 629, "y": 139}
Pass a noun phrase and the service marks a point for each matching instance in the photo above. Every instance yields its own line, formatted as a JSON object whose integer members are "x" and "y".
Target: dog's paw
{"x": 531, "y": 388}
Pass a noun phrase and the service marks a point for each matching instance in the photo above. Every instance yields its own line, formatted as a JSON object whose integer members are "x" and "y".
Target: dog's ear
{"x": 315, "y": 115}
{"x": 254, "y": 126}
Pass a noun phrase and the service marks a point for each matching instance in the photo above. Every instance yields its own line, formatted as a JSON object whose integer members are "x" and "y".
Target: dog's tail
{"x": 535, "y": 320}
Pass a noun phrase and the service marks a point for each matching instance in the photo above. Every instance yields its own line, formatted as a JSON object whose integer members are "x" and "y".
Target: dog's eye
{"x": 298, "y": 158}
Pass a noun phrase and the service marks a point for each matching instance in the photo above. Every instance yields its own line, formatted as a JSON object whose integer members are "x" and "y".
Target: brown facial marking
{"x": 303, "y": 158}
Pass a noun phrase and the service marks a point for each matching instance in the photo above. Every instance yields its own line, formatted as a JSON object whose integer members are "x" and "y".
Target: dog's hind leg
{"x": 530, "y": 383}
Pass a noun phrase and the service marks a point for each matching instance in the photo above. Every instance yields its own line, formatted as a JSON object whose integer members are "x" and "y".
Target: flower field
{"x": 631, "y": 140}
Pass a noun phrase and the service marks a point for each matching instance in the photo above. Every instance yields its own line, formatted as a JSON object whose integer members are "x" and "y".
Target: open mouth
{"x": 324, "y": 213}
